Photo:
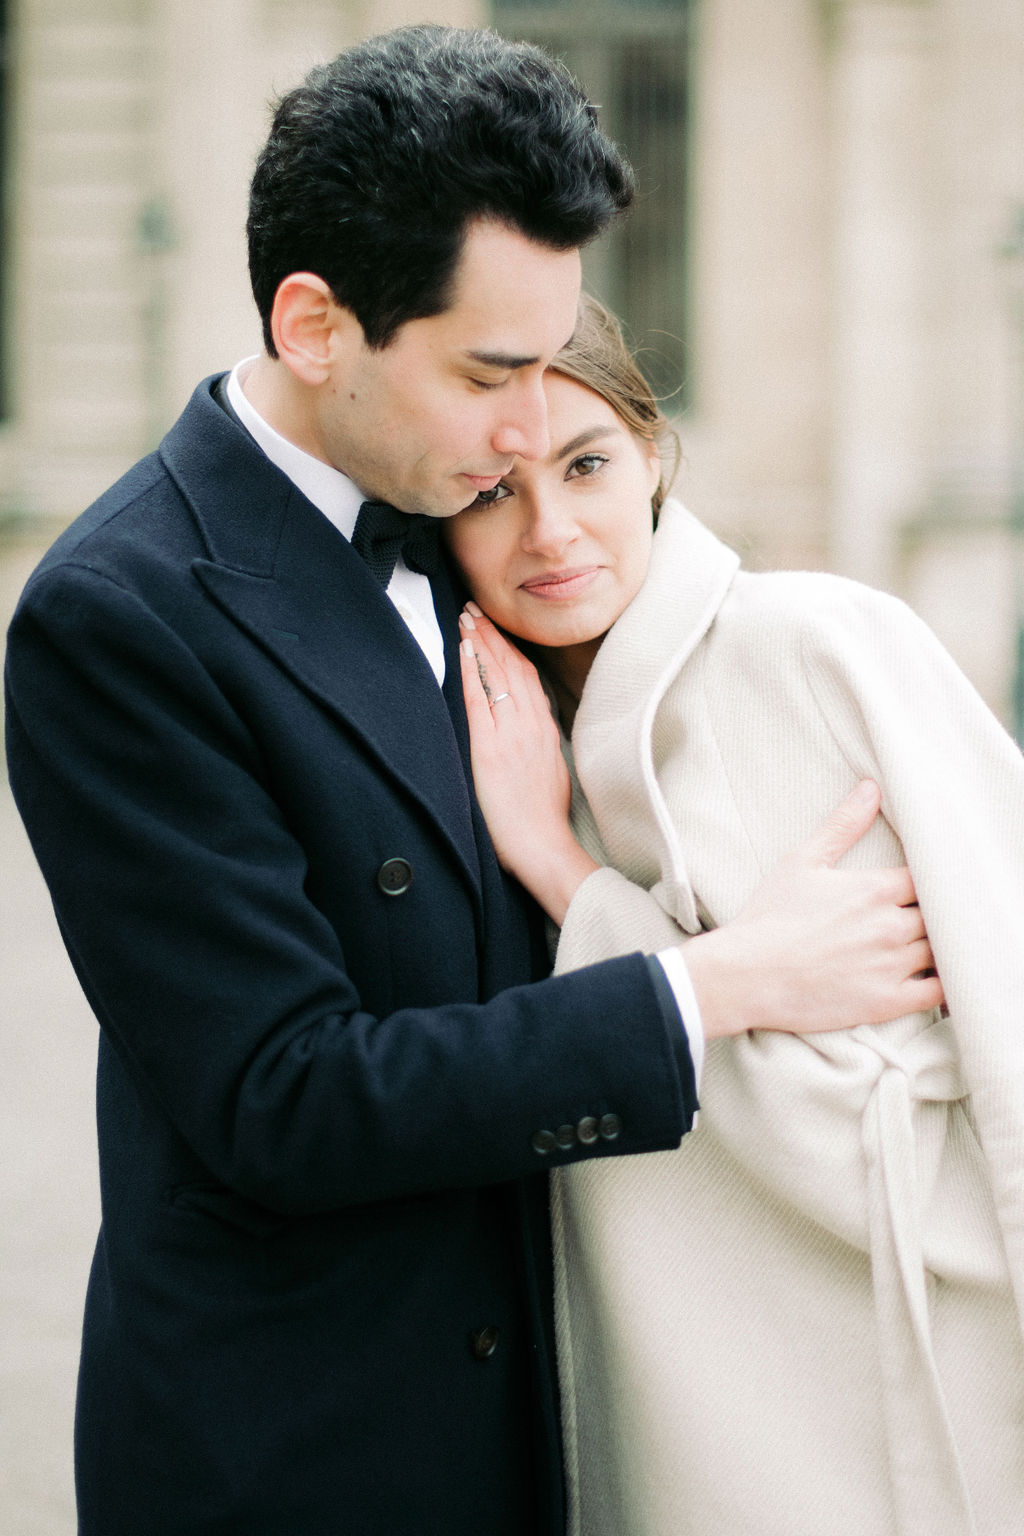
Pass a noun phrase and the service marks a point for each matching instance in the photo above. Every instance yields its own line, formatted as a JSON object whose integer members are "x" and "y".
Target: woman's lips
{"x": 561, "y": 584}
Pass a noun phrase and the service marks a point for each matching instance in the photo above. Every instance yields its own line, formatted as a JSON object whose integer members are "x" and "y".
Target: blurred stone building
{"x": 825, "y": 269}
{"x": 826, "y": 262}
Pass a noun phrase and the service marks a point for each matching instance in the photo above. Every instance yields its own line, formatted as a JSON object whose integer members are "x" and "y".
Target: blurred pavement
{"x": 49, "y": 1202}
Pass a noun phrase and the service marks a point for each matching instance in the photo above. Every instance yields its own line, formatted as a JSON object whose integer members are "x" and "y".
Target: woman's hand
{"x": 519, "y": 773}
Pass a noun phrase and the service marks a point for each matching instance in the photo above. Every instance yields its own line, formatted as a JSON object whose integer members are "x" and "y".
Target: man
{"x": 327, "y": 1082}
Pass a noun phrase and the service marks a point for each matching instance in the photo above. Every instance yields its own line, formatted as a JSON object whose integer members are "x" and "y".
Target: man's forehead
{"x": 512, "y": 304}
{"x": 497, "y": 261}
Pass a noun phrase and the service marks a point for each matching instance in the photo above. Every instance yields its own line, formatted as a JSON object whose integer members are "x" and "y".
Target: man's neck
{"x": 284, "y": 402}
{"x": 337, "y": 497}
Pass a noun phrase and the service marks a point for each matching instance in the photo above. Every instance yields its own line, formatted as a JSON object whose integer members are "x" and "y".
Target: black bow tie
{"x": 382, "y": 533}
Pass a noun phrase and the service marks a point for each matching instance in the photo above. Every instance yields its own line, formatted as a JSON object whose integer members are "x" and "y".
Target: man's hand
{"x": 818, "y": 948}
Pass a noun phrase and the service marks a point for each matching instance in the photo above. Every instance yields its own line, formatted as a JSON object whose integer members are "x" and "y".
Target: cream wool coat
{"x": 807, "y": 1320}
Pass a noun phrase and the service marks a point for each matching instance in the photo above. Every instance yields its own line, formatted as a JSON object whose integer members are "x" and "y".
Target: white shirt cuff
{"x": 678, "y": 978}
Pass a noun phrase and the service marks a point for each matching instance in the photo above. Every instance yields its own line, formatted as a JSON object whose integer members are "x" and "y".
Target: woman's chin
{"x": 555, "y": 636}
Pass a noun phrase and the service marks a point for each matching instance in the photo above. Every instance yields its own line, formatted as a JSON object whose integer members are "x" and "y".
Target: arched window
{"x": 632, "y": 58}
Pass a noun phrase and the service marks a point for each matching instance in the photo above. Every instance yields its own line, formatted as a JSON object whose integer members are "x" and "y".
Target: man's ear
{"x": 309, "y": 326}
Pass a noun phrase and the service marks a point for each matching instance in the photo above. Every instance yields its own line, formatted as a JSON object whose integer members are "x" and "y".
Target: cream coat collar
{"x": 689, "y": 575}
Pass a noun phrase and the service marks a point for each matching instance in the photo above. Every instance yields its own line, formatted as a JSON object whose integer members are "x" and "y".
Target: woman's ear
{"x": 655, "y": 468}
{"x": 308, "y": 326}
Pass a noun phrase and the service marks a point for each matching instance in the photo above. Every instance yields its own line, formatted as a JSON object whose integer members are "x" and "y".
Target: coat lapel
{"x": 296, "y": 586}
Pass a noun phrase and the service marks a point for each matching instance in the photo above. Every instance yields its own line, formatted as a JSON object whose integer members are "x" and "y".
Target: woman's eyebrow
{"x": 588, "y": 435}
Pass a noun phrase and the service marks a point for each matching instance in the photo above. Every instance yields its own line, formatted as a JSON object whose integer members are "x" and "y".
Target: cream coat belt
{"x": 921, "y": 1442}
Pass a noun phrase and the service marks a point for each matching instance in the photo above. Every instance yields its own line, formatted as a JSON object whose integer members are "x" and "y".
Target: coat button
{"x": 484, "y": 1341}
{"x": 543, "y": 1142}
{"x": 610, "y": 1127}
{"x": 394, "y": 877}
{"x": 587, "y": 1130}
{"x": 565, "y": 1138}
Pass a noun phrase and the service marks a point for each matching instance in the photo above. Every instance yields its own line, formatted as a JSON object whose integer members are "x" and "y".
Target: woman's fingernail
{"x": 467, "y": 648}
{"x": 466, "y": 621}
{"x": 472, "y": 608}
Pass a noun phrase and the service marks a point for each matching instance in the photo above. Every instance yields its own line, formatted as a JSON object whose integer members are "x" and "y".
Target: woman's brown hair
{"x": 598, "y": 357}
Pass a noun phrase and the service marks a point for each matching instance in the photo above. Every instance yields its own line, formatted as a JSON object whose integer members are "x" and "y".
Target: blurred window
{"x": 632, "y": 57}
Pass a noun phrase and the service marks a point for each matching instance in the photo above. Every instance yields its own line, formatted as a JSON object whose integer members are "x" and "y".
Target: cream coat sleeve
{"x": 609, "y": 915}
{"x": 953, "y": 790}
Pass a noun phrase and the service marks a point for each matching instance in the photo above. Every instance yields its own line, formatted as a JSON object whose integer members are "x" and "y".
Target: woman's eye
{"x": 488, "y": 498}
{"x": 587, "y": 464}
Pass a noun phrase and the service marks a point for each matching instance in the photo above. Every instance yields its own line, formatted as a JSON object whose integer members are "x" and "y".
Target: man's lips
{"x": 485, "y": 482}
{"x": 561, "y": 584}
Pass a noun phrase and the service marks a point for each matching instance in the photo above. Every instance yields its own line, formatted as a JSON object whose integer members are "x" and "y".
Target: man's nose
{"x": 523, "y": 431}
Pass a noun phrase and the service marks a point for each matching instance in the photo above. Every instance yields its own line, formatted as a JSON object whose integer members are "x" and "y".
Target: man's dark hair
{"x": 379, "y": 160}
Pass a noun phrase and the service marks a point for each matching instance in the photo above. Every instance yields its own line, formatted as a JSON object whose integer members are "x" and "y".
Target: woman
{"x": 807, "y": 1320}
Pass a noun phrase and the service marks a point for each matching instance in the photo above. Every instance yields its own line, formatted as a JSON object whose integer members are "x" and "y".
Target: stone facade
{"x": 855, "y": 169}
{"x": 859, "y": 349}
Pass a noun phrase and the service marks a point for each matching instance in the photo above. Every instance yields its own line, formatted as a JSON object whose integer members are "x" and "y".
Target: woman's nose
{"x": 548, "y": 529}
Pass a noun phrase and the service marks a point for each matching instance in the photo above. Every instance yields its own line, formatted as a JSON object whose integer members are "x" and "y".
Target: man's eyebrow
{"x": 503, "y": 360}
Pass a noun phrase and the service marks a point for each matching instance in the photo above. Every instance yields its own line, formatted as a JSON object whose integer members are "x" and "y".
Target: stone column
{"x": 78, "y": 170}
{"x": 212, "y": 117}
{"x": 755, "y": 436}
{"x": 882, "y": 233}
